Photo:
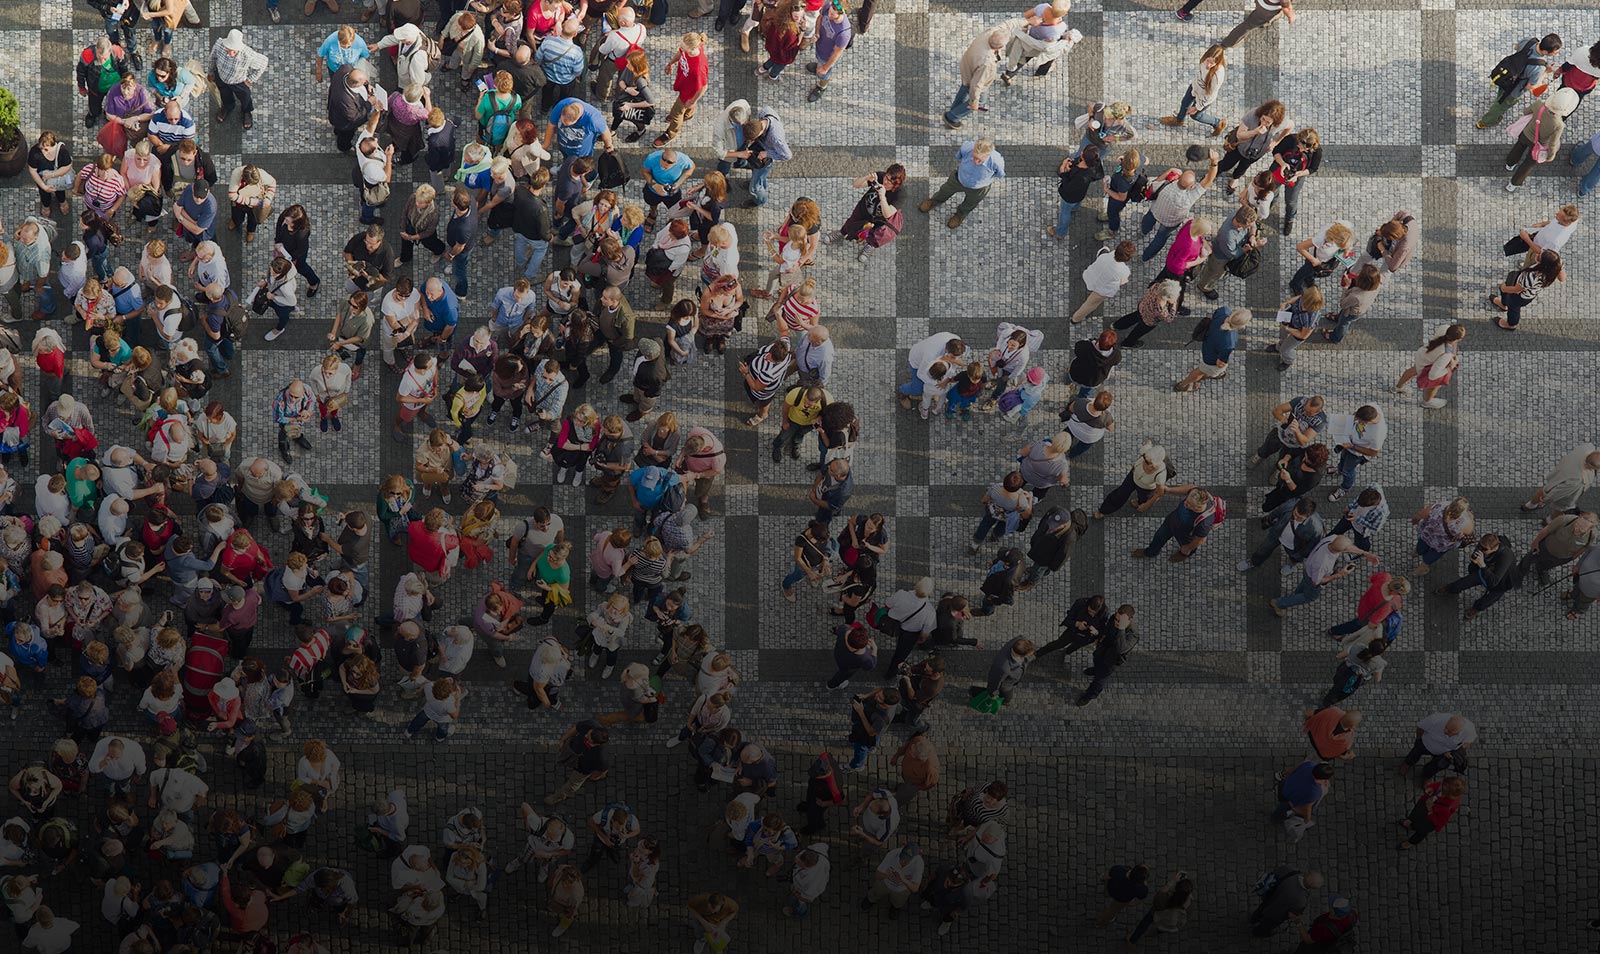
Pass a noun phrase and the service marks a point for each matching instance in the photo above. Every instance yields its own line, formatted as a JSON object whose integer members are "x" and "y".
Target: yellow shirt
{"x": 802, "y": 412}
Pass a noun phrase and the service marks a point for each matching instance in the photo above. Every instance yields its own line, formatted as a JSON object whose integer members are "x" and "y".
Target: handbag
{"x": 375, "y": 195}
{"x": 986, "y": 702}
{"x": 258, "y": 300}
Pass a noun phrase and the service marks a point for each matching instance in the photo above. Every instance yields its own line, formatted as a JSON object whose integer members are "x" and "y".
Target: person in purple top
{"x": 834, "y": 34}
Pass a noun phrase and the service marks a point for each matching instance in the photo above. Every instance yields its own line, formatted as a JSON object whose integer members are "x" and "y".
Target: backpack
{"x": 1201, "y": 327}
{"x": 1508, "y": 72}
{"x": 236, "y": 323}
{"x": 1575, "y": 79}
{"x": 1244, "y": 264}
{"x": 613, "y": 172}
{"x": 657, "y": 263}
{"x": 1219, "y": 508}
{"x": 1265, "y": 884}
{"x": 498, "y": 125}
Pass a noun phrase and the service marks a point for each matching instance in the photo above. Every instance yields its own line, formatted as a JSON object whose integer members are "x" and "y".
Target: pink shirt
{"x": 1187, "y": 248}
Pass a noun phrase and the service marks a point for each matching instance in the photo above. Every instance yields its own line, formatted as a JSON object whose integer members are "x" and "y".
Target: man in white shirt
{"x": 1328, "y": 562}
{"x": 897, "y": 878}
{"x": 50, "y": 498}
{"x": 627, "y": 36}
{"x": 1439, "y": 736}
{"x": 943, "y": 348}
{"x": 176, "y": 788}
{"x": 117, "y": 764}
{"x": 1105, "y": 276}
{"x": 912, "y": 616}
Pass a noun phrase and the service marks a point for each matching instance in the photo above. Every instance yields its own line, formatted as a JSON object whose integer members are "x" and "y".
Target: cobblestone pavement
{"x": 1172, "y": 765}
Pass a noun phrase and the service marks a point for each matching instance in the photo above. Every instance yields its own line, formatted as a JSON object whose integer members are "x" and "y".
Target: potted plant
{"x": 13, "y": 152}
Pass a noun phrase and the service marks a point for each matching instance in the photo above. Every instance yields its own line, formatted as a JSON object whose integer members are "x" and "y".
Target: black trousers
{"x": 1118, "y": 497}
{"x": 1070, "y": 640}
{"x": 236, "y": 92}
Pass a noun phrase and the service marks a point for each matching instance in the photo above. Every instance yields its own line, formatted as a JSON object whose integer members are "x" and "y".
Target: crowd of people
{"x": 133, "y": 578}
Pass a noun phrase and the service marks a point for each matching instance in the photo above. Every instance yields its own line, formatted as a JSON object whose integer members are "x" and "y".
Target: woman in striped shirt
{"x": 104, "y": 190}
{"x": 797, "y": 309}
{"x": 764, "y": 373}
{"x": 975, "y": 806}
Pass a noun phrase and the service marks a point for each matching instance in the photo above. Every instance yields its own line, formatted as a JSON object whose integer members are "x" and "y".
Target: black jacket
{"x": 347, "y": 108}
{"x": 1089, "y": 367}
{"x": 1051, "y": 544}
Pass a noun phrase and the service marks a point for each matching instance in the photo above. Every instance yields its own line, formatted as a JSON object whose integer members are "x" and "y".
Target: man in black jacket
{"x": 350, "y": 102}
{"x": 1086, "y": 621}
{"x": 530, "y": 221}
{"x": 1491, "y": 566}
{"x": 1112, "y": 651}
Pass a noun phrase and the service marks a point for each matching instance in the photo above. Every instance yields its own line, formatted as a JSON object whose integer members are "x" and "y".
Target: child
{"x": 966, "y": 389}
{"x": 1016, "y": 403}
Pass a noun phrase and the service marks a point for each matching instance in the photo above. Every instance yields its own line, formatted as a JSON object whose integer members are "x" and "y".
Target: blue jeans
{"x": 219, "y": 351}
{"x": 1200, "y": 116}
{"x": 1305, "y": 593}
{"x": 1429, "y": 555}
{"x": 1114, "y": 215}
{"x": 1348, "y": 463}
{"x": 1079, "y": 448}
{"x": 101, "y": 263}
{"x": 1341, "y": 324}
{"x": 772, "y": 69}
{"x": 458, "y": 272}
{"x": 1084, "y": 390}
{"x": 913, "y": 387}
{"x": 1162, "y": 535}
{"x": 1158, "y": 241}
{"x": 441, "y": 730}
{"x": 369, "y": 213}
{"x": 989, "y": 526}
{"x": 1580, "y": 155}
{"x": 758, "y": 183}
{"x": 961, "y": 106}
{"x": 533, "y": 252}
{"x": 1064, "y": 218}
{"x": 859, "y": 755}
{"x": 795, "y": 576}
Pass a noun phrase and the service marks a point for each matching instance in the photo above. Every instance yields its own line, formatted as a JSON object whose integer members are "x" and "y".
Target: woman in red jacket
{"x": 780, "y": 34}
{"x": 244, "y": 560}
{"x": 1439, "y": 802}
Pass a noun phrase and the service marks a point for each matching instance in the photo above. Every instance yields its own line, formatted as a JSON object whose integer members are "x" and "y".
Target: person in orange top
{"x": 246, "y": 907}
{"x": 1439, "y": 802}
{"x": 1332, "y": 732}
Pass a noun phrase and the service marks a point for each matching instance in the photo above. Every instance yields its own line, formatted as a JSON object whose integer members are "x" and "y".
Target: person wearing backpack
{"x": 497, "y": 109}
{"x": 1190, "y": 523}
{"x": 1328, "y": 931}
{"x": 1530, "y": 65}
{"x": 1284, "y": 894}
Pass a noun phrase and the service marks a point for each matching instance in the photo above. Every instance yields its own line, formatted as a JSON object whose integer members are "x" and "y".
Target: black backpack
{"x": 613, "y": 171}
{"x": 1245, "y": 263}
{"x": 1508, "y": 72}
{"x": 1200, "y": 328}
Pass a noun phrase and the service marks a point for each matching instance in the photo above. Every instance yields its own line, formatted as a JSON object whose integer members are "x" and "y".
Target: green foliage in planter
{"x": 10, "y": 119}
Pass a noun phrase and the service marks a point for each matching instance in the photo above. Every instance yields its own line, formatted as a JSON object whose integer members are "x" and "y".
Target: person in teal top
{"x": 83, "y": 483}
{"x": 343, "y": 47}
{"x": 553, "y": 578}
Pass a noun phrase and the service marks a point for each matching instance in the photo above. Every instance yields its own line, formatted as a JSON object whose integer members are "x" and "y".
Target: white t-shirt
{"x": 180, "y": 793}
{"x": 749, "y": 801}
{"x": 1554, "y": 235}
{"x": 900, "y": 877}
{"x": 371, "y": 166}
{"x": 55, "y": 939}
{"x": 1105, "y": 276}
{"x": 47, "y": 504}
{"x": 327, "y": 772}
{"x": 1322, "y": 560}
{"x": 1326, "y": 249}
{"x": 149, "y": 703}
{"x": 929, "y": 349}
{"x": 416, "y": 384}
{"x": 129, "y": 764}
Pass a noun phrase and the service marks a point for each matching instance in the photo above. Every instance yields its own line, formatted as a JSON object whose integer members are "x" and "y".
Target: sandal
{"x": 754, "y": 421}
{"x": 1495, "y": 301}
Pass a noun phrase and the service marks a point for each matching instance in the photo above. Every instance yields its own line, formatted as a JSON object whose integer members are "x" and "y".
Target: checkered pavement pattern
{"x": 1170, "y": 765}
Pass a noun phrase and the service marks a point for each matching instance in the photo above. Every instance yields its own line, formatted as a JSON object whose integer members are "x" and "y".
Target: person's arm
{"x": 1211, "y": 173}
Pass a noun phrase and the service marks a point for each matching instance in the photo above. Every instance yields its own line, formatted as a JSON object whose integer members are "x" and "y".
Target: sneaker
{"x": 1289, "y": 569}
{"x": 1104, "y": 235}
{"x": 1255, "y": 459}
{"x": 338, "y": 422}
{"x": 952, "y": 123}
{"x": 944, "y": 929}
{"x": 674, "y": 742}
{"x": 1511, "y": 187}
{"x": 1336, "y": 493}
{"x": 1244, "y": 566}
{"x": 273, "y": 13}
{"x": 594, "y": 660}
{"x": 842, "y": 685}
{"x": 516, "y": 422}
{"x": 273, "y": 335}
{"x": 606, "y": 672}
{"x": 1435, "y": 403}
{"x": 493, "y": 415}
{"x": 1182, "y": 15}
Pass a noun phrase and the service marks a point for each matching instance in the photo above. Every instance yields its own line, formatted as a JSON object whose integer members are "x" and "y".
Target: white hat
{"x": 233, "y": 41}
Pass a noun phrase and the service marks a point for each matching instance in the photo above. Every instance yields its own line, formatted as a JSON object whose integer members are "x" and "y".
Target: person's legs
{"x": 1306, "y": 592}
{"x": 1341, "y": 327}
{"x": 758, "y": 183}
{"x": 960, "y": 107}
{"x": 1348, "y": 462}
{"x": 1592, "y": 177}
{"x": 1158, "y": 241}
{"x": 951, "y": 186}
{"x": 1253, "y": 21}
{"x": 1095, "y": 300}
{"x": 1497, "y": 110}
{"x": 987, "y": 523}
{"x": 1162, "y": 535}
{"x": 970, "y": 199}
{"x": 1064, "y": 218}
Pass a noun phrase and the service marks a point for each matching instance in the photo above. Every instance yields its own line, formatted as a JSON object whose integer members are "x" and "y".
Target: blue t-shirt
{"x": 1187, "y": 525}
{"x": 443, "y": 313}
{"x": 650, "y": 484}
{"x": 1300, "y": 787}
{"x": 203, "y": 213}
{"x": 1219, "y": 341}
{"x": 578, "y": 138}
{"x": 337, "y": 57}
{"x": 666, "y": 176}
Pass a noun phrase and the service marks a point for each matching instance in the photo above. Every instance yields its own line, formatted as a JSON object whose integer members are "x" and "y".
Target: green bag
{"x": 986, "y": 702}
{"x": 297, "y": 873}
{"x": 365, "y": 839}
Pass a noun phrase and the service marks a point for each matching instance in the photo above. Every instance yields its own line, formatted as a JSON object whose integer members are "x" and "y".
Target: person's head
{"x": 1549, "y": 264}
{"x": 1315, "y": 458}
{"x": 1198, "y": 500}
{"x": 1305, "y": 507}
{"x": 1271, "y": 112}
{"x": 982, "y": 149}
{"x": 1323, "y": 771}
{"x": 1012, "y": 482}
{"x": 1551, "y": 43}
{"x": 1187, "y": 180}
{"x": 1373, "y": 649}
{"x": 1237, "y": 319}
{"x": 1102, "y": 402}
{"x": 1453, "y": 787}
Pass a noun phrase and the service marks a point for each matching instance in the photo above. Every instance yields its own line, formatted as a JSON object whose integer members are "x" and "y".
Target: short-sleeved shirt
{"x": 665, "y": 175}
{"x": 1315, "y": 422}
{"x": 1172, "y": 204}
{"x": 583, "y": 756}
{"x": 380, "y": 262}
{"x": 1188, "y": 525}
{"x": 1301, "y": 787}
{"x": 577, "y": 139}
{"x": 1322, "y": 561}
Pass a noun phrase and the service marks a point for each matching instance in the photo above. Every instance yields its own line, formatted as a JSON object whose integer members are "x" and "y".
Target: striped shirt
{"x": 972, "y": 810}
{"x": 172, "y": 130}
{"x": 102, "y": 189}
{"x": 646, "y": 569}
{"x": 305, "y": 658}
{"x": 768, "y": 373}
{"x": 797, "y": 314}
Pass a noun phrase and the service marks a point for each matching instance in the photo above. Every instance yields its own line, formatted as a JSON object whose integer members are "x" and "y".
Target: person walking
{"x": 1217, "y": 343}
{"x": 1359, "y": 438}
{"x": 1076, "y": 175}
{"x": 1169, "y": 909}
{"x": 979, "y": 68}
{"x": 1532, "y": 64}
{"x": 1562, "y": 539}
{"x": 1105, "y": 277}
{"x": 1328, "y": 562}
{"x": 1540, "y": 137}
{"x": 1441, "y": 738}
{"x": 1262, "y": 14}
{"x": 1298, "y": 532}
{"x": 1521, "y": 287}
{"x": 1441, "y": 528}
{"x": 1438, "y": 804}
{"x": 1202, "y": 91}
{"x": 1172, "y": 198}
{"x": 1566, "y": 483}
{"x": 1285, "y": 892}
{"x": 978, "y": 165}
{"x": 1190, "y": 523}
{"x": 235, "y": 68}
{"x": 1110, "y": 652}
